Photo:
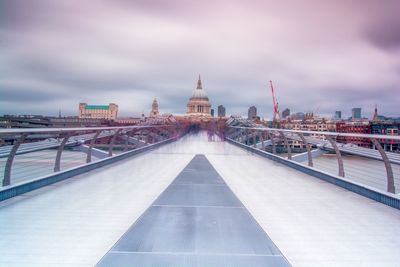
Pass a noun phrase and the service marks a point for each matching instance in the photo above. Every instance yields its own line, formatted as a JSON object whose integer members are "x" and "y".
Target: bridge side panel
{"x": 16, "y": 190}
{"x": 382, "y": 197}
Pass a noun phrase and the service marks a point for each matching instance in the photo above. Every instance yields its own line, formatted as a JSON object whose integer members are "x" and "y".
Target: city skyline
{"x": 334, "y": 55}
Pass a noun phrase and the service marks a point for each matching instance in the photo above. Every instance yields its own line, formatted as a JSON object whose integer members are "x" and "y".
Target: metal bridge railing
{"x": 268, "y": 139}
{"x": 27, "y": 154}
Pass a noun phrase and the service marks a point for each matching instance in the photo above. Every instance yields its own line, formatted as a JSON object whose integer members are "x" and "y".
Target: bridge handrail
{"x": 376, "y": 136}
{"x": 61, "y": 138}
{"x": 300, "y": 134}
{"x": 77, "y": 129}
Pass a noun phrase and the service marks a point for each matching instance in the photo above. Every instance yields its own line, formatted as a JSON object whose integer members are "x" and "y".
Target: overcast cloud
{"x": 321, "y": 55}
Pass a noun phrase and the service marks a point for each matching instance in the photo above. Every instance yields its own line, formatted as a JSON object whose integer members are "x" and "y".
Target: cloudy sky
{"x": 322, "y": 55}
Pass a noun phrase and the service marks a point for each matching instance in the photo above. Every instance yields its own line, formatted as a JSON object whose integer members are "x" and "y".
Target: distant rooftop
{"x": 96, "y": 107}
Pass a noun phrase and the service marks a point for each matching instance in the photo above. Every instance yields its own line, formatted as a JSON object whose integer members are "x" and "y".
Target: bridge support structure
{"x": 262, "y": 135}
{"x": 324, "y": 141}
{"x": 307, "y": 145}
{"x": 60, "y": 149}
{"x": 338, "y": 155}
{"x": 285, "y": 140}
{"x": 388, "y": 199}
{"x": 112, "y": 141}
{"x": 65, "y": 138}
{"x": 390, "y": 178}
{"x": 10, "y": 159}
{"x": 272, "y": 138}
{"x": 92, "y": 142}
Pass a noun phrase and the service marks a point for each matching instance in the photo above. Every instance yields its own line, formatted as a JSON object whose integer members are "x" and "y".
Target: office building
{"x": 356, "y": 113}
{"x": 221, "y": 111}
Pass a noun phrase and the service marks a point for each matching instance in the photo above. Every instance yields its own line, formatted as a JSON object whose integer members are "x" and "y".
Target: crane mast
{"x": 276, "y": 118}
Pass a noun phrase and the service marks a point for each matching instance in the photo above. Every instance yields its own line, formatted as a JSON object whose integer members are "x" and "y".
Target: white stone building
{"x": 108, "y": 112}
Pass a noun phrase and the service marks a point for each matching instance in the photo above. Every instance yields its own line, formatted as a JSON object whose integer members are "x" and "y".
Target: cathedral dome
{"x": 199, "y": 93}
{"x": 199, "y": 104}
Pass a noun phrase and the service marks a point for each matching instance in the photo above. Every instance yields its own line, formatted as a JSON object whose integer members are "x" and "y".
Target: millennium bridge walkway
{"x": 190, "y": 201}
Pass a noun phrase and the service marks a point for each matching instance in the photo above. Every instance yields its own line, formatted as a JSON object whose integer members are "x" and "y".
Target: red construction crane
{"x": 277, "y": 117}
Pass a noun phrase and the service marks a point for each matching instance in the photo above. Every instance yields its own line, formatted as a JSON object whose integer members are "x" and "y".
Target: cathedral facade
{"x": 199, "y": 105}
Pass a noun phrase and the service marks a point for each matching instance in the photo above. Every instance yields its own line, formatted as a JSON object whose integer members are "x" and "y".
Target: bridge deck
{"x": 196, "y": 221}
{"x": 313, "y": 223}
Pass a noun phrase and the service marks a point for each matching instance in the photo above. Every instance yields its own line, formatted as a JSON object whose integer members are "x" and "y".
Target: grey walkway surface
{"x": 197, "y": 221}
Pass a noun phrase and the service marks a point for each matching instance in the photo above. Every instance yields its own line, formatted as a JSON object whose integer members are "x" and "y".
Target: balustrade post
{"x": 303, "y": 139}
{"x": 285, "y": 140}
{"x": 57, "y": 164}
{"x": 92, "y": 142}
{"x": 338, "y": 155}
{"x": 126, "y": 145}
{"x": 271, "y": 136}
{"x": 236, "y": 135}
{"x": 390, "y": 178}
{"x": 254, "y": 139}
{"x": 229, "y": 133}
{"x": 262, "y": 136}
{"x": 241, "y": 134}
{"x": 148, "y": 136}
{"x": 111, "y": 145}
{"x": 10, "y": 159}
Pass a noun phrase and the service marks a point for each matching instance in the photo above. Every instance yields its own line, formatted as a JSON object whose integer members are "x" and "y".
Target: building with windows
{"x": 338, "y": 115}
{"x": 221, "y": 111}
{"x": 285, "y": 113}
{"x": 316, "y": 125}
{"x": 387, "y": 128}
{"x": 361, "y": 127}
{"x": 252, "y": 113}
{"x": 107, "y": 112}
{"x": 356, "y": 113}
{"x": 128, "y": 120}
{"x": 199, "y": 105}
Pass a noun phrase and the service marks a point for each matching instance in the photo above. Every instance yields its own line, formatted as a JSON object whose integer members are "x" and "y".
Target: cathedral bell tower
{"x": 154, "y": 109}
